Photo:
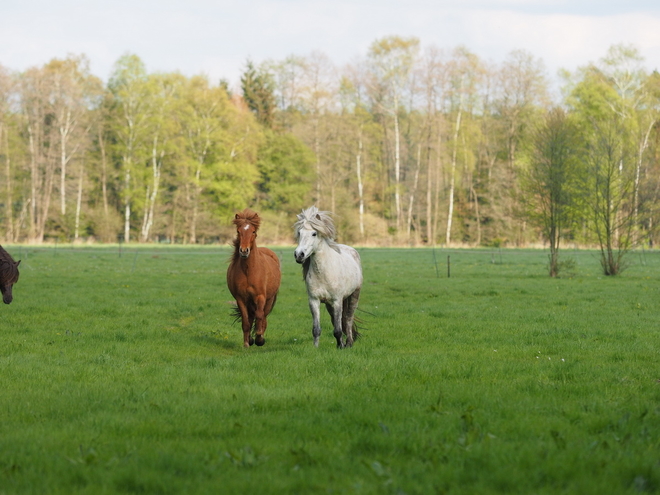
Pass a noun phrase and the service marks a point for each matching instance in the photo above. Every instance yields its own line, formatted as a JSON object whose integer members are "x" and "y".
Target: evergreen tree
{"x": 258, "y": 93}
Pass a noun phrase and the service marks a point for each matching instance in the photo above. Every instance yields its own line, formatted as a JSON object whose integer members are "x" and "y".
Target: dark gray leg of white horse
{"x": 315, "y": 308}
{"x": 335, "y": 311}
{"x": 350, "y": 305}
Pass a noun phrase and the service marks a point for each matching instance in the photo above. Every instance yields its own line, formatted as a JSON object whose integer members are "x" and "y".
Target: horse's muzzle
{"x": 244, "y": 253}
{"x": 300, "y": 257}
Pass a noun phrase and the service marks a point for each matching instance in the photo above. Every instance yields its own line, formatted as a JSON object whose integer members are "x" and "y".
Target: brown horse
{"x": 8, "y": 275}
{"x": 253, "y": 278}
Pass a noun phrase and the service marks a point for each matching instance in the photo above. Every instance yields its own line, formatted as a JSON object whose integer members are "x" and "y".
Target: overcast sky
{"x": 216, "y": 37}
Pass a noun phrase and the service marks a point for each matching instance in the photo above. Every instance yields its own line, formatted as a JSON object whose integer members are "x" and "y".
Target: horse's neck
{"x": 324, "y": 256}
{"x": 255, "y": 255}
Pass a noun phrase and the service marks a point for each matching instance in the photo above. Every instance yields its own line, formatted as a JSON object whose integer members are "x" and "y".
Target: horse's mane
{"x": 245, "y": 217}
{"x": 8, "y": 267}
{"x": 321, "y": 221}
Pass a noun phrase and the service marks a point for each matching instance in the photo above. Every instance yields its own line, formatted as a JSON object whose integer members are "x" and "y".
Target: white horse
{"x": 332, "y": 273}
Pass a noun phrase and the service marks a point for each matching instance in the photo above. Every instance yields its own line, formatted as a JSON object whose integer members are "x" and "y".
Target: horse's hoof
{"x": 251, "y": 341}
{"x": 260, "y": 341}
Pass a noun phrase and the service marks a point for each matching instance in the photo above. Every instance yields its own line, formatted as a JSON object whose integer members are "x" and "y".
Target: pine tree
{"x": 258, "y": 93}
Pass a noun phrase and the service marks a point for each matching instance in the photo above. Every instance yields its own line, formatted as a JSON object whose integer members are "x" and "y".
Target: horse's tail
{"x": 357, "y": 324}
{"x": 236, "y": 313}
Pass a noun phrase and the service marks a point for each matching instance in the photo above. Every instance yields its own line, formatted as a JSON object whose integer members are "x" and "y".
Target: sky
{"x": 217, "y": 37}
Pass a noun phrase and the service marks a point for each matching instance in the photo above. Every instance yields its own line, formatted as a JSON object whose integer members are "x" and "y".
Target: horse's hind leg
{"x": 335, "y": 311}
{"x": 260, "y": 317}
{"x": 348, "y": 314}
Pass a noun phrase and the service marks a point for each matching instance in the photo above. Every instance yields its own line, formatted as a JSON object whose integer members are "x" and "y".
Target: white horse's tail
{"x": 357, "y": 323}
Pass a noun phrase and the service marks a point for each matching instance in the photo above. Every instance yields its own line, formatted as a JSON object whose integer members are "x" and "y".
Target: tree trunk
{"x": 452, "y": 176}
{"x": 360, "y": 185}
{"x": 48, "y": 191}
{"x": 638, "y": 167}
{"x": 104, "y": 174}
{"x": 414, "y": 190}
{"x": 195, "y": 211}
{"x": 152, "y": 191}
{"x": 34, "y": 177}
{"x": 63, "y": 163}
{"x": 317, "y": 153}
{"x": 197, "y": 189}
{"x": 127, "y": 206}
{"x": 10, "y": 202}
{"x": 397, "y": 165}
{"x": 79, "y": 204}
{"x": 476, "y": 214}
{"x": 436, "y": 194}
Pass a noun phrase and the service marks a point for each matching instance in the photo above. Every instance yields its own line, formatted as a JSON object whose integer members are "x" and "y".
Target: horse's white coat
{"x": 333, "y": 273}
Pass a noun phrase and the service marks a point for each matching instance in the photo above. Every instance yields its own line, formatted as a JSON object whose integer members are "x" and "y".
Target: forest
{"x": 408, "y": 145}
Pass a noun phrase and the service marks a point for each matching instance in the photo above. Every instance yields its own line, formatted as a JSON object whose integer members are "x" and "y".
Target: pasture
{"x": 126, "y": 374}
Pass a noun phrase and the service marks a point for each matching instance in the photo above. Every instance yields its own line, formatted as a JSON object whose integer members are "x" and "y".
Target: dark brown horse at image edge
{"x": 253, "y": 278}
{"x": 8, "y": 275}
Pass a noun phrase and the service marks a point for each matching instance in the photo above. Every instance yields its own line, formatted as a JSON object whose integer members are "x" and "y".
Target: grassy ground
{"x": 124, "y": 374}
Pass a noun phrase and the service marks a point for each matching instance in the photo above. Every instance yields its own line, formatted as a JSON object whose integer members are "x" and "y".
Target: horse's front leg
{"x": 246, "y": 323}
{"x": 315, "y": 308}
{"x": 348, "y": 315}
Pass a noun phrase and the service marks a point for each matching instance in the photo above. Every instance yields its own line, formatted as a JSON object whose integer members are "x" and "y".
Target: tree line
{"x": 407, "y": 146}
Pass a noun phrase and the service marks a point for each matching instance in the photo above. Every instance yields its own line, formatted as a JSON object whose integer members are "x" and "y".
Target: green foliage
{"x": 550, "y": 181}
{"x": 258, "y": 93}
{"x": 286, "y": 171}
{"x": 221, "y": 145}
{"x": 125, "y": 374}
{"x": 432, "y": 146}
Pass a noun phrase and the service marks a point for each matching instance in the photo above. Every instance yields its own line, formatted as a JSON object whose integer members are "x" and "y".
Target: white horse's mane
{"x": 321, "y": 222}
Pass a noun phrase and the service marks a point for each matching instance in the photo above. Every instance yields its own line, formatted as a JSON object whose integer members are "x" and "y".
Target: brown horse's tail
{"x": 236, "y": 313}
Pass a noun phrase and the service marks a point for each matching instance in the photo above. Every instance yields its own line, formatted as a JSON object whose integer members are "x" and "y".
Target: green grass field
{"x": 126, "y": 374}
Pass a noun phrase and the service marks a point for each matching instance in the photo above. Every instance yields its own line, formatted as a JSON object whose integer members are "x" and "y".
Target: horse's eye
{"x": 313, "y": 234}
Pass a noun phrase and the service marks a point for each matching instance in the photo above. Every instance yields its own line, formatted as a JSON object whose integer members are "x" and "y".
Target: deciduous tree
{"x": 549, "y": 181}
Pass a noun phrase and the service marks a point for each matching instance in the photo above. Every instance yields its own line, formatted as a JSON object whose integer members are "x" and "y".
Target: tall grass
{"x": 124, "y": 374}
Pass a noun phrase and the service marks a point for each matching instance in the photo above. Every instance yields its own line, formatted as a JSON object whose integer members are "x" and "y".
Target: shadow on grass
{"x": 220, "y": 340}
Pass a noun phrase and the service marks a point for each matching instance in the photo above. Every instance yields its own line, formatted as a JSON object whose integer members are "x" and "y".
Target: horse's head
{"x": 313, "y": 226}
{"x": 8, "y": 277}
{"x": 308, "y": 240}
{"x": 247, "y": 224}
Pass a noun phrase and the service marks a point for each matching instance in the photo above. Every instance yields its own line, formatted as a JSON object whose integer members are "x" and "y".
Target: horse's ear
{"x": 318, "y": 217}
{"x": 236, "y": 217}
{"x": 17, "y": 263}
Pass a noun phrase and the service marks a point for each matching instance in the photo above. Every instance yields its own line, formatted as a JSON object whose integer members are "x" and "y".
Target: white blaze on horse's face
{"x": 308, "y": 240}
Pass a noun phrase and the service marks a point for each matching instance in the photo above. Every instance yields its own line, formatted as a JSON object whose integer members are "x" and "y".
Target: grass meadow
{"x": 122, "y": 372}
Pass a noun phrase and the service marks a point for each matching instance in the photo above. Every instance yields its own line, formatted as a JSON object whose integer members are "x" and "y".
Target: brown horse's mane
{"x": 8, "y": 267}
{"x": 245, "y": 217}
